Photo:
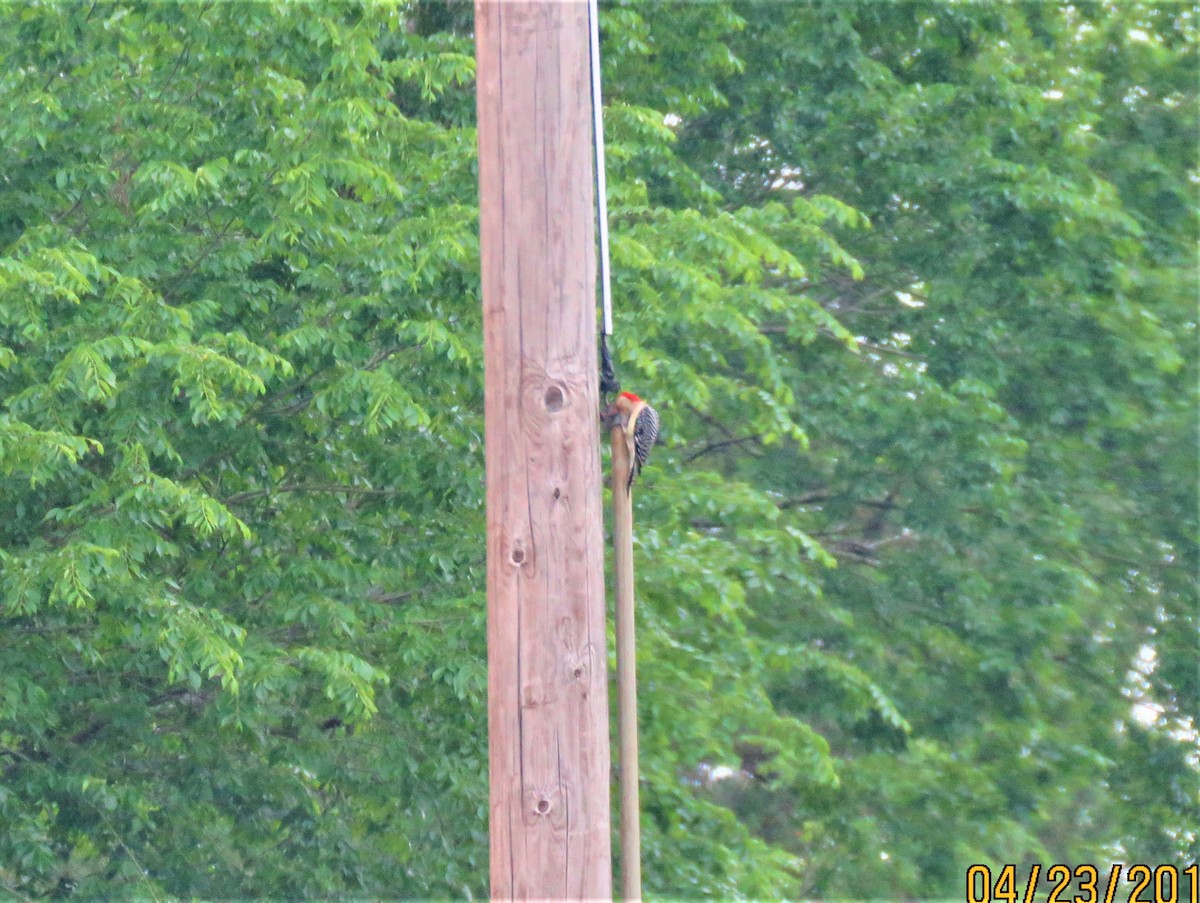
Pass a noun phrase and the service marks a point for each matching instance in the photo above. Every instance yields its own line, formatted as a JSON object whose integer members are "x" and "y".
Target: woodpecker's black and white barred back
{"x": 641, "y": 430}
{"x": 645, "y": 434}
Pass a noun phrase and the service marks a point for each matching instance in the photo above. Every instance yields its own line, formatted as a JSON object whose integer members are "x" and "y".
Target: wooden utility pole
{"x": 547, "y": 683}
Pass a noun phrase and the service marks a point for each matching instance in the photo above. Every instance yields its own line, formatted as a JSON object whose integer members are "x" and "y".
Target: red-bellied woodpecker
{"x": 640, "y": 422}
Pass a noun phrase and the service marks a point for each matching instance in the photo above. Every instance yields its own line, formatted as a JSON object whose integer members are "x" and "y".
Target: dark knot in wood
{"x": 554, "y": 399}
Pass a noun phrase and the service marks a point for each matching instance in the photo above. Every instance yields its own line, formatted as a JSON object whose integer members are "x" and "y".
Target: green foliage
{"x": 241, "y": 455}
{"x": 1018, "y": 545}
{"x": 912, "y": 287}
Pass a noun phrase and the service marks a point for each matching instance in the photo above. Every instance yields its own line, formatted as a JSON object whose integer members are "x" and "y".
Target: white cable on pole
{"x": 601, "y": 181}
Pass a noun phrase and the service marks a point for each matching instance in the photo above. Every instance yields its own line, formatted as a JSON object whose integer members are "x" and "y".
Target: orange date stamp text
{"x": 1134, "y": 883}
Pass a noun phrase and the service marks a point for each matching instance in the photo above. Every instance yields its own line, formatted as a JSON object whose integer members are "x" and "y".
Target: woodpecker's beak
{"x": 611, "y": 417}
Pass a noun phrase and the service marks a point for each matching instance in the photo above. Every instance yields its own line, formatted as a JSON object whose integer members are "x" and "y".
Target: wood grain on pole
{"x": 549, "y": 762}
{"x": 627, "y": 727}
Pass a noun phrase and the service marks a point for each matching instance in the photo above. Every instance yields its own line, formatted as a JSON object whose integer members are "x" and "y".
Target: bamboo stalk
{"x": 631, "y": 830}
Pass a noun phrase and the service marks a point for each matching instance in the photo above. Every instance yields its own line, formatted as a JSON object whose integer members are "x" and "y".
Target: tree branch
{"x": 240, "y": 497}
{"x": 724, "y": 443}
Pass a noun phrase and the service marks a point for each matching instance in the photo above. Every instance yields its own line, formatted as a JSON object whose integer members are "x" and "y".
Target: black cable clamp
{"x": 609, "y": 384}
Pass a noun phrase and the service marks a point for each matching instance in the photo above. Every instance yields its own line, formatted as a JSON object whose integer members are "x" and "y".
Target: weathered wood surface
{"x": 547, "y": 686}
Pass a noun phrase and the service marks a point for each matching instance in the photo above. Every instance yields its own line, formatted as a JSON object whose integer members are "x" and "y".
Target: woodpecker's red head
{"x": 623, "y": 404}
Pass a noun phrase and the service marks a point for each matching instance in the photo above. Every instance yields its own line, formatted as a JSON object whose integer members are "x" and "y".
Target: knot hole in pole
{"x": 554, "y": 399}
{"x": 545, "y": 805}
{"x": 522, "y": 556}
